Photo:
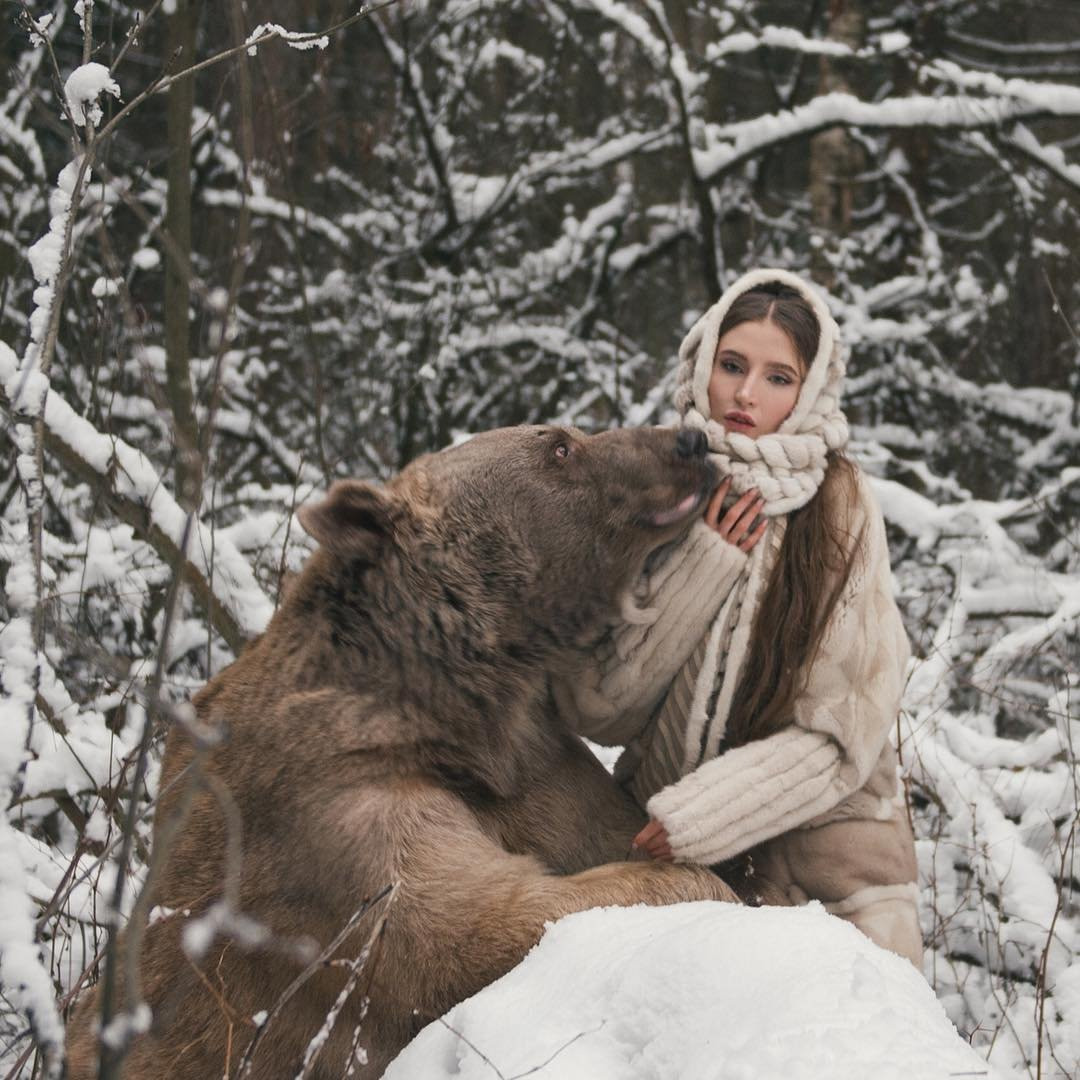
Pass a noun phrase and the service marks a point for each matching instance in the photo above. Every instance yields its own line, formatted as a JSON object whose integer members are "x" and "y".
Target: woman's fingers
{"x": 716, "y": 502}
{"x": 654, "y": 839}
{"x": 736, "y": 522}
{"x": 661, "y": 850}
{"x": 729, "y": 523}
{"x": 649, "y": 834}
{"x": 715, "y": 505}
{"x": 737, "y": 526}
{"x": 750, "y": 540}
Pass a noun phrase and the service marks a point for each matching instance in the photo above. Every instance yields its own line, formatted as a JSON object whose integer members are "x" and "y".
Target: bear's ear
{"x": 353, "y": 520}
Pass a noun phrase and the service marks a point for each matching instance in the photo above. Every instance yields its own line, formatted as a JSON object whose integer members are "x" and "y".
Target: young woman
{"x": 759, "y": 672}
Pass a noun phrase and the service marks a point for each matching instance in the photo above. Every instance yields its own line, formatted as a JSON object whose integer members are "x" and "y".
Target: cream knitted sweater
{"x": 834, "y": 761}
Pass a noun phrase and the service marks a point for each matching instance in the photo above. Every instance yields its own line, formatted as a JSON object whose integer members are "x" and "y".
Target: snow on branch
{"x": 1050, "y": 157}
{"x": 1021, "y": 643}
{"x": 82, "y": 89}
{"x": 1057, "y": 99}
{"x": 295, "y": 39}
{"x": 942, "y": 757}
{"x": 662, "y": 54}
{"x": 552, "y": 339}
{"x": 631, "y": 23}
{"x": 1034, "y": 406}
{"x": 267, "y": 206}
{"x": 787, "y": 37}
{"x": 23, "y": 972}
{"x": 14, "y": 133}
{"x": 1025, "y": 48}
{"x": 731, "y": 144}
{"x": 582, "y": 157}
{"x": 225, "y": 584}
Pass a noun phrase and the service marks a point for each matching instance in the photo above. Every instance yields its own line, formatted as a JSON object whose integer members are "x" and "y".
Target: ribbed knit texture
{"x": 718, "y": 810}
{"x": 814, "y": 770}
{"x": 623, "y": 681}
{"x": 662, "y": 753}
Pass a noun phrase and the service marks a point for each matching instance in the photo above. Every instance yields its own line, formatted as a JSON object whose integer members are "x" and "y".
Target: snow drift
{"x": 694, "y": 991}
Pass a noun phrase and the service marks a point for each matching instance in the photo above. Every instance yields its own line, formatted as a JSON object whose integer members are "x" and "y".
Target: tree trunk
{"x": 835, "y": 158}
{"x": 182, "y": 24}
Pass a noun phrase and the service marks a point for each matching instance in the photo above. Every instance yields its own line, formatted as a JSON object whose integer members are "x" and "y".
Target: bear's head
{"x": 521, "y": 538}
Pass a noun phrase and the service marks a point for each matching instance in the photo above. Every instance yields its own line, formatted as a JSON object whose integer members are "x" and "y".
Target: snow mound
{"x": 701, "y": 990}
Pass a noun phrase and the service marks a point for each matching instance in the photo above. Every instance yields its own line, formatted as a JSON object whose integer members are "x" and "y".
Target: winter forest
{"x": 248, "y": 248}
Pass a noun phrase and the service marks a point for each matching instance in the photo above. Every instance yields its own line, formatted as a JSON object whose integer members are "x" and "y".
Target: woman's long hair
{"x": 815, "y": 558}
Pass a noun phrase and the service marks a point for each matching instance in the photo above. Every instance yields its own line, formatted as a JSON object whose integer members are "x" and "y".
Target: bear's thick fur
{"x": 390, "y": 728}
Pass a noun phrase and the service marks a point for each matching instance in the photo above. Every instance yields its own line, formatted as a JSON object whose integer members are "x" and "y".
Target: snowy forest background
{"x": 367, "y": 233}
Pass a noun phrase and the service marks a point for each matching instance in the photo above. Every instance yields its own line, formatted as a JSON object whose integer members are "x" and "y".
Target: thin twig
{"x": 110, "y": 1057}
{"x": 316, "y": 965}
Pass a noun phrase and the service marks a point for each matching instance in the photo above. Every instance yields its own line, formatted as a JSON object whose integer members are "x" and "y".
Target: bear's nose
{"x": 691, "y": 443}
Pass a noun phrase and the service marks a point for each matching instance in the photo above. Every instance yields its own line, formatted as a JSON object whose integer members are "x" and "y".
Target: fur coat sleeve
{"x": 838, "y": 731}
{"x": 625, "y": 677}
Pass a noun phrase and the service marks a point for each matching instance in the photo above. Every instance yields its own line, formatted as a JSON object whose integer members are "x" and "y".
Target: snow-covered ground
{"x": 706, "y": 990}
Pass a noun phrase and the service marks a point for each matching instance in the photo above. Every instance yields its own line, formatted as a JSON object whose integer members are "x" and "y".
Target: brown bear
{"x": 390, "y": 731}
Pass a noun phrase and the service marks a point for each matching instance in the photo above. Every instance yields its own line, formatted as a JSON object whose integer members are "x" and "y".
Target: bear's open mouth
{"x": 682, "y": 510}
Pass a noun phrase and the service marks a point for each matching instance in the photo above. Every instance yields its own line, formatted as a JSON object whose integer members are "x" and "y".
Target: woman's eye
{"x": 780, "y": 380}
{"x": 562, "y": 450}
{"x": 729, "y": 366}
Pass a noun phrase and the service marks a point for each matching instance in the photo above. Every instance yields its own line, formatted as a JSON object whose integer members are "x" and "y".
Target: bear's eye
{"x": 562, "y": 450}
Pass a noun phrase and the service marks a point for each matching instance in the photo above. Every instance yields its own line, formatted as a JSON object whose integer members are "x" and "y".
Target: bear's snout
{"x": 691, "y": 443}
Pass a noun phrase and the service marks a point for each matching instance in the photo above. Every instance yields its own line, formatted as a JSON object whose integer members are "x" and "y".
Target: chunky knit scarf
{"x": 787, "y": 467}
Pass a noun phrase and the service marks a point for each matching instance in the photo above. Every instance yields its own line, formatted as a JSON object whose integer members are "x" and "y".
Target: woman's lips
{"x": 739, "y": 419}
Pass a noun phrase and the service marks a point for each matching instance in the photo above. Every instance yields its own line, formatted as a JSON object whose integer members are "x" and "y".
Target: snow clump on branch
{"x": 83, "y": 88}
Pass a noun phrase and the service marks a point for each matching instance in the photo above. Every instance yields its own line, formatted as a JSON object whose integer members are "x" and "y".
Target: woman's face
{"x": 755, "y": 379}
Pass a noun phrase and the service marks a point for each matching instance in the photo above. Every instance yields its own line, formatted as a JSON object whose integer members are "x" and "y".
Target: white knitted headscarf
{"x": 787, "y": 467}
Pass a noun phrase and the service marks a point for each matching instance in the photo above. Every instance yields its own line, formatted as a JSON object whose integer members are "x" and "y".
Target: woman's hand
{"x": 653, "y": 839}
{"x": 735, "y": 525}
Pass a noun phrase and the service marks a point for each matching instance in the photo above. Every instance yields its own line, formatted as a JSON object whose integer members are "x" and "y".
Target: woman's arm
{"x": 840, "y": 723}
{"x": 621, "y": 682}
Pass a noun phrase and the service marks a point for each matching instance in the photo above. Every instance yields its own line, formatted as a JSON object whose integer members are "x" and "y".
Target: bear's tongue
{"x": 686, "y": 506}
